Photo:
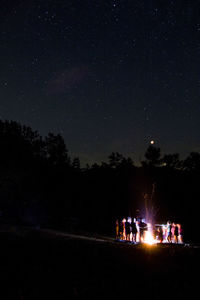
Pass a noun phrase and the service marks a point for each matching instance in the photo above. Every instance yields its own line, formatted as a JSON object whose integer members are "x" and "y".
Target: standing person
{"x": 137, "y": 224}
{"x": 124, "y": 228}
{"x": 117, "y": 229}
{"x": 127, "y": 226}
{"x": 160, "y": 234}
{"x": 121, "y": 230}
{"x": 154, "y": 232}
{"x": 134, "y": 231}
{"x": 173, "y": 229}
{"x": 143, "y": 228}
{"x": 165, "y": 233}
{"x": 176, "y": 233}
{"x": 180, "y": 231}
{"x": 169, "y": 232}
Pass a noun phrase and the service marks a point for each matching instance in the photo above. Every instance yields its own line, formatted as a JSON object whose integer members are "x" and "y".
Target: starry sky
{"x": 108, "y": 75}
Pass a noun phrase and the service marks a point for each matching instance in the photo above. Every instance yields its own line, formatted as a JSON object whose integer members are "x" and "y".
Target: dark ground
{"x": 41, "y": 266}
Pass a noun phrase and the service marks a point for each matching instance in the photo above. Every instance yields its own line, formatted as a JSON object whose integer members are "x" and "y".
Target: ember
{"x": 136, "y": 230}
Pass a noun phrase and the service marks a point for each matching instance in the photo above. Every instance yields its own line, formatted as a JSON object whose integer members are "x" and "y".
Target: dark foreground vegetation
{"x": 40, "y": 185}
{"x": 37, "y": 266}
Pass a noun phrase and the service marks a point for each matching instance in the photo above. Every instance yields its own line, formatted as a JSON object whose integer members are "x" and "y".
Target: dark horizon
{"x": 105, "y": 158}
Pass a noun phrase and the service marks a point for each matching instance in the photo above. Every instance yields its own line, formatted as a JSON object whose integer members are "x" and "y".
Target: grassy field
{"x": 41, "y": 266}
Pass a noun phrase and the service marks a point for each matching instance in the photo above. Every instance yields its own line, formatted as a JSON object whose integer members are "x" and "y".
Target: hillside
{"x": 44, "y": 266}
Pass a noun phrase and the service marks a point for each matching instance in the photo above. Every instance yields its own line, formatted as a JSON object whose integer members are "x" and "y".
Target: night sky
{"x": 108, "y": 75}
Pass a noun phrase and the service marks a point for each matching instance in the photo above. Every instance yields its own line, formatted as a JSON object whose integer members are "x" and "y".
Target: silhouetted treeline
{"x": 41, "y": 185}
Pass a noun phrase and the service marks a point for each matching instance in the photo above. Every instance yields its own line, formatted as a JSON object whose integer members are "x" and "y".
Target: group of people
{"x": 135, "y": 230}
{"x": 130, "y": 229}
{"x": 172, "y": 233}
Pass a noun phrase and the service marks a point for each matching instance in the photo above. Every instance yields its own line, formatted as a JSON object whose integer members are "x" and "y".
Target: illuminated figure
{"x": 165, "y": 232}
{"x": 134, "y": 231}
{"x": 117, "y": 229}
{"x": 176, "y": 233}
{"x": 127, "y": 227}
{"x": 160, "y": 234}
{"x": 121, "y": 230}
{"x": 173, "y": 229}
{"x": 124, "y": 229}
{"x": 180, "y": 231}
{"x": 143, "y": 228}
{"x": 169, "y": 232}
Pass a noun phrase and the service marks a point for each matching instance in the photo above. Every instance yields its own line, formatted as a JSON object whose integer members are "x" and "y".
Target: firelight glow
{"x": 148, "y": 238}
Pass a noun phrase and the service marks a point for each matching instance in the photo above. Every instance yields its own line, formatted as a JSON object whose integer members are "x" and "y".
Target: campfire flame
{"x": 148, "y": 237}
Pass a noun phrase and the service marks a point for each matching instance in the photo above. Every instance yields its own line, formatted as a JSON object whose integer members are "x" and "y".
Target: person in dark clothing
{"x": 160, "y": 234}
{"x": 143, "y": 228}
{"x": 169, "y": 232}
{"x": 134, "y": 231}
{"x": 155, "y": 232}
{"x": 121, "y": 229}
{"x": 117, "y": 229}
{"x": 128, "y": 231}
{"x": 176, "y": 233}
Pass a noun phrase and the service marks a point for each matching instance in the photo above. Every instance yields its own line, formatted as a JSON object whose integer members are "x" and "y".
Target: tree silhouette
{"x": 171, "y": 161}
{"x": 56, "y": 151}
{"x": 192, "y": 162}
{"x": 127, "y": 163}
{"x": 76, "y": 163}
{"x": 115, "y": 159}
{"x": 152, "y": 156}
{"x": 17, "y": 145}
